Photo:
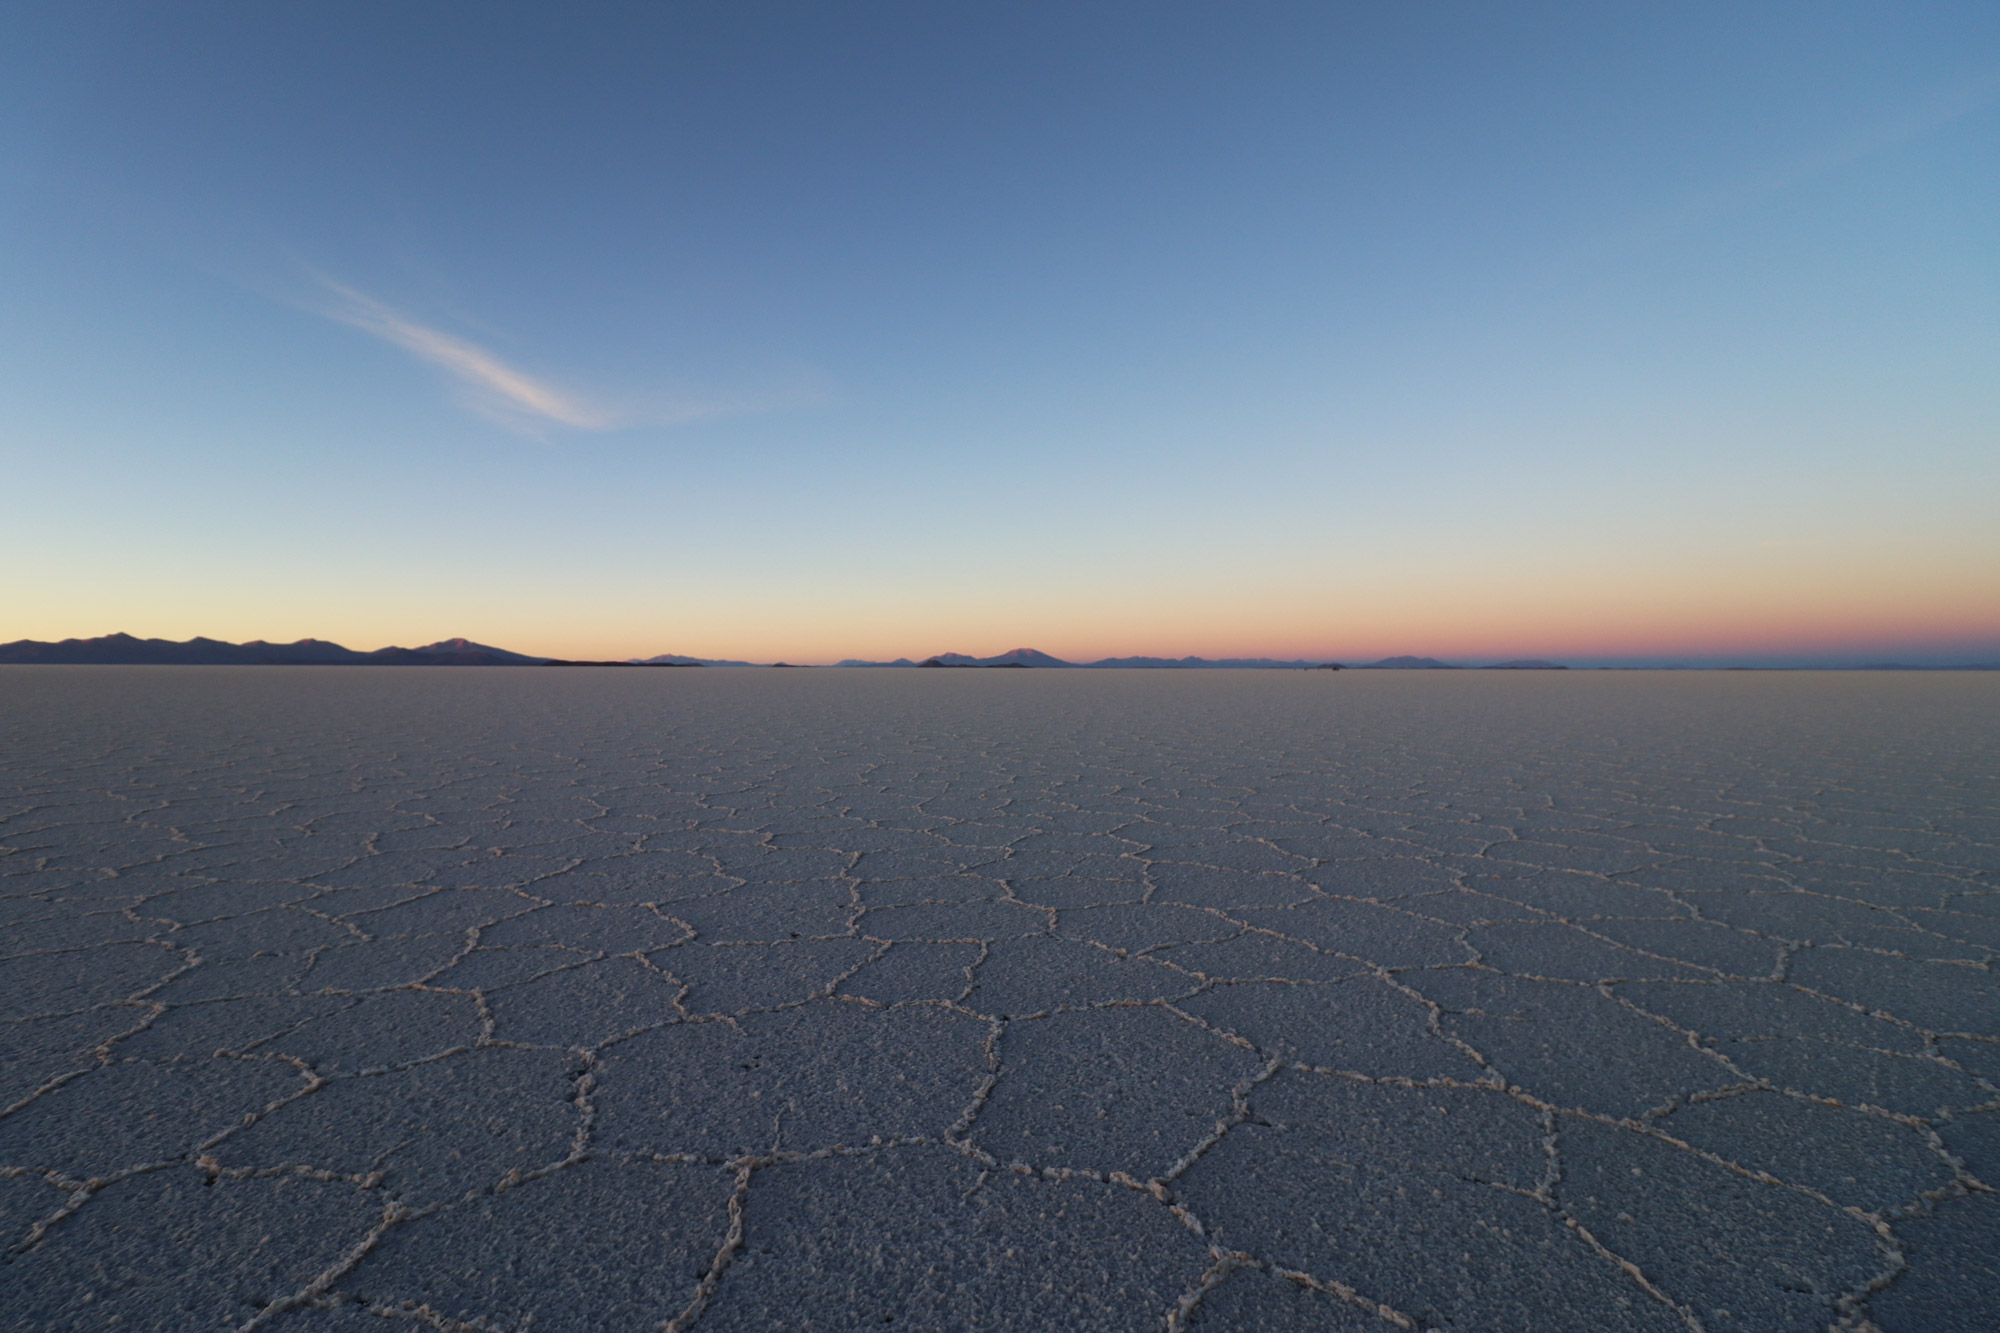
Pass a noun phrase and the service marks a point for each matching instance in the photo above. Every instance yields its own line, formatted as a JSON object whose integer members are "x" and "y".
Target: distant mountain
{"x": 1409, "y": 664}
{"x": 305, "y": 650}
{"x": 1217, "y": 663}
{"x": 956, "y": 660}
{"x": 113, "y": 649}
{"x": 973, "y": 665}
{"x": 1015, "y": 657}
{"x": 455, "y": 652}
{"x": 124, "y": 650}
{"x": 1030, "y": 657}
{"x": 675, "y": 659}
{"x": 1027, "y": 657}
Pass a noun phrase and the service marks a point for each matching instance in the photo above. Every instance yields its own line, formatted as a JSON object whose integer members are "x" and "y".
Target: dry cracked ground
{"x": 345, "y": 999}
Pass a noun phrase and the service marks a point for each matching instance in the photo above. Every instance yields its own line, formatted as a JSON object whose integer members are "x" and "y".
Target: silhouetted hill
{"x": 455, "y": 652}
{"x": 1017, "y": 657}
{"x": 1026, "y": 657}
{"x": 675, "y": 659}
{"x": 124, "y": 650}
{"x": 1036, "y": 658}
{"x": 1216, "y": 663}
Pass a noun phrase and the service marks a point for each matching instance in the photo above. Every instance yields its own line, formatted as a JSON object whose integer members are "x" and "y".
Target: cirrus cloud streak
{"x": 495, "y": 389}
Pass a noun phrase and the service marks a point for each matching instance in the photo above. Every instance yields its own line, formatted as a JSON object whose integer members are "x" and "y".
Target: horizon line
{"x": 77, "y": 651}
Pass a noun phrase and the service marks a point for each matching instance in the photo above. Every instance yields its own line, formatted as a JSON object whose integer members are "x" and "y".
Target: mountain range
{"x": 1032, "y": 657}
{"x": 675, "y": 659}
{"x": 124, "y": 650}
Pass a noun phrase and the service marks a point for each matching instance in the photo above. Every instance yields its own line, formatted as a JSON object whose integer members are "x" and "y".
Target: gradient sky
{"x": 1598, "y": 332}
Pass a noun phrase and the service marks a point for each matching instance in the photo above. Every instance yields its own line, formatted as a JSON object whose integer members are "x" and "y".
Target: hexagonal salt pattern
{"x": 584, "y": 999}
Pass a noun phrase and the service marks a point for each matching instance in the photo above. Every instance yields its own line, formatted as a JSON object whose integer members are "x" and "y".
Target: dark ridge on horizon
{"x": 1409, "y": 664}
{"x": 1013, "y": 657}
{"x": 1032, "y": 657}
{"x": 676, "y": 659}
{"x": 125, "y": 650}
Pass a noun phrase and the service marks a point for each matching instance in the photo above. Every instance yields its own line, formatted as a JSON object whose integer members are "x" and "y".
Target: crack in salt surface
{"x": 483, "y": 1001}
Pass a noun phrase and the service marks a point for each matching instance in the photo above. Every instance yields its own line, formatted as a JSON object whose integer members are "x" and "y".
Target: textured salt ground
{"x": 342, "y": 999}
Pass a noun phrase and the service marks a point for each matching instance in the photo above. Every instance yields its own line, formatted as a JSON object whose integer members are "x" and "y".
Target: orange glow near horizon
{"x": 1316, "y": 341}
{"x": 1491, "y": 615}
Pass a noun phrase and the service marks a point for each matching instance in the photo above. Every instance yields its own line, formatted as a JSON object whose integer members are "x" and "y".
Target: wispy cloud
{"x": 493, "y": 387}
{"x": 1942, "y": 109}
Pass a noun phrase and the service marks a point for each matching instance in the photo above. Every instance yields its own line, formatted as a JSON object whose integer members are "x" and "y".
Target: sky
{"x": 1604, "y": 333}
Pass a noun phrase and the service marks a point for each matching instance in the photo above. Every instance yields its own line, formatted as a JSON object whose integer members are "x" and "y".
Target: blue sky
{"x": 1604, "y": 332}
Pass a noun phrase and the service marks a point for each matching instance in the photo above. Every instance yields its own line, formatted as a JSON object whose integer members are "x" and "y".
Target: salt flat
{"x": 361, "y": 998}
